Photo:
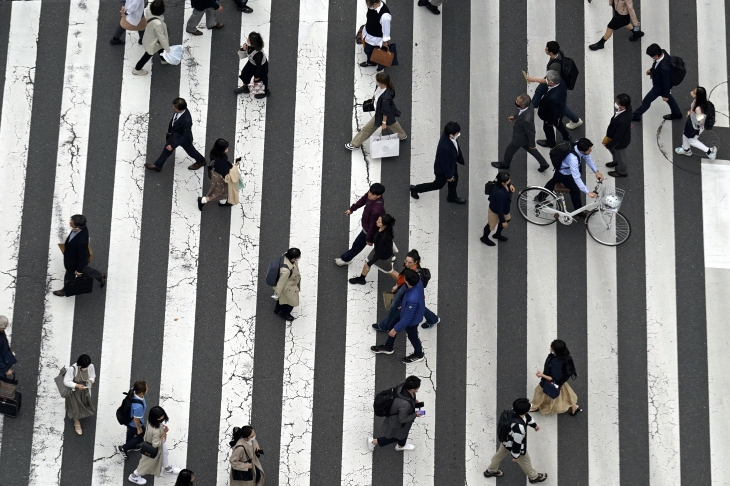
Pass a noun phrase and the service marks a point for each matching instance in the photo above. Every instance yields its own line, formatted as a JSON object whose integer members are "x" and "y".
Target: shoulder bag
{"x": 147, "y": 449}
{"x": 247, "y": 475}
{"x": 63, "y": 390}
{"x": 8, "y": 386}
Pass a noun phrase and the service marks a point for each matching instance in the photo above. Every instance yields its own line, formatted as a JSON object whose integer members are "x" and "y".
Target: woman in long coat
{"x": 79, "y": 378}
{"x": 221, "y": 167}
{"x": 286, "y": 291}
{"x": 245, "y": 456}
{"x": 556, "y": 372}
{"x": 155, "y": 434}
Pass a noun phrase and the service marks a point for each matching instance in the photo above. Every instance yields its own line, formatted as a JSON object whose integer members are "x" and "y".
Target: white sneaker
{"x": 350, "y": 146}
{"x": 172, "y": 470}
{"x": 136, "y": 479}
{"x": 712, "y": 154}
{"x": 140, "y": 72}
{"x": 407, "y": 447}
{"x": 574, "y": 125}
{"x": 371, "y": 446}
{"x": 340, "y": 262}
{"x": 682, "y": 151}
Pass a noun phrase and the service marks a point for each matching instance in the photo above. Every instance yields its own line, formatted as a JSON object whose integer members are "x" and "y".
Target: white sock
{"x": 204, "y": 200}
{"x": 222, "y": 201}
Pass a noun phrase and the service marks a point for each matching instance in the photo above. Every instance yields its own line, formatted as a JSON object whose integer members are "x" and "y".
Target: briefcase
{"x": 79, "y": 285}
{"x": 11, "y": 407}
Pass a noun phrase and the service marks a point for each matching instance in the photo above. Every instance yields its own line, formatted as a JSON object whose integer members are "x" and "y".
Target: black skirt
{"x": 619, "y": 21}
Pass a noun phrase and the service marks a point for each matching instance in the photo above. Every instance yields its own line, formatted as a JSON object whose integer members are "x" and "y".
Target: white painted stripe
{"x": 243, "y": 258}
{"x": 297, "y": 396}
{"x": 68, "y": 198}
{"x": 121, "y": 290}
{"x": 481, "y": 341}
{"x": 542, "y": 325}
{"x": 14, "y": 135}
{"x": 715, "y": 211}
{"x": 362, "y": 301}
{"x": 712, "y": 55}
{"x": 182, "y": 265}
{"x": 418, "y": 465}
{"x": 661, "y": 302}
{"x": 602, "y": 357}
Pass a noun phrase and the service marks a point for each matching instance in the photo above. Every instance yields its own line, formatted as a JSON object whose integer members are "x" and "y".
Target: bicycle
{"x": 604, "y": 222}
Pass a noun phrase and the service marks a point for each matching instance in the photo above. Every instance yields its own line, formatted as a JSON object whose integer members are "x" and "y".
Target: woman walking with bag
{"x": 246, "y": 469}
{"x": 132, "y": 19}
{"x": 220, "y": 168}
{"x": 500, "y": 201}
{"x": 286, "y": 291}
{"x": 257, "y": 66}
{"x": 385, "y": 113}
{"x": 695, "y": 125}
{"x": 157, "y": 38}
{"x": 383, "y": 250}
{"x": 155, "y": 457}
{"x": 79, "y": 378}
{"x": 553, "y": 394}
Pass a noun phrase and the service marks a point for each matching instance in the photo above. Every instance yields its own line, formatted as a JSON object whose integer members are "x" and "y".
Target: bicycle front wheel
{"x": 534, "y": 203}
{"x": 610, "y": 229}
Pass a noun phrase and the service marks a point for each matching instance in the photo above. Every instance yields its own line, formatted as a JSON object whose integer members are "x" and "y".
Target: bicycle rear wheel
{"x": 533, "y": 200}
{"x": 610, "y": 229}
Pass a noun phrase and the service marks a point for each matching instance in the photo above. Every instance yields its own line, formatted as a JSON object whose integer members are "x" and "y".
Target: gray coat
{"x": 402, "y": 415}
{"x": 523, "y": 131}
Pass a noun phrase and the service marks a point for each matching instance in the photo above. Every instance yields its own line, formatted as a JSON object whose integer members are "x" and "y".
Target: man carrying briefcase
{"x": 76, "y": 261}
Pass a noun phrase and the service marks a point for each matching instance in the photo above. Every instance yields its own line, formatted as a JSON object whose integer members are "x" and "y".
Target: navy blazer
{"x": 551, "y": 104}
{"x": 661, "y": 76}
{"x": 76, "y": 255}
{"x": 447, "y": 157}
{"x": 619, "y": 130}
{"x": 181, "y": 132}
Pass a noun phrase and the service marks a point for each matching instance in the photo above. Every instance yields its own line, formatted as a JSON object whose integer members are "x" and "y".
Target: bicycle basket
{"x": 610, "y": 198}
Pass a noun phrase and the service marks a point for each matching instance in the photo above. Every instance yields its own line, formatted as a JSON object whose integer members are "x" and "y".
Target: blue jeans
{"x": 570, "y": 114}
{"x": 357, "y": 247}
{"x": 653, "y": 94}
{"x": 390, "y": 320}
{"x": 412, "y": 332}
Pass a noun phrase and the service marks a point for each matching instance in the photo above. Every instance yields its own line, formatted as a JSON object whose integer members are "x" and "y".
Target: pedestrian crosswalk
{"x": 186, "y": 307}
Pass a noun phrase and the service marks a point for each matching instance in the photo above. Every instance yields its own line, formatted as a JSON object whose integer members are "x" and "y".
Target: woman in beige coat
{"x": 155, "y": 39}
{"x": 156, "y": 435}
{"x": 286, "y": 291}
{"x": 623, "y": 16}
{"x": 245, "y": 458}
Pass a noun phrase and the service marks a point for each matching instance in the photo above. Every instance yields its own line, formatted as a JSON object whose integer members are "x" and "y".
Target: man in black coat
{"x": 448, "y": 154}
{"x": 179, "y": 134}
{"x": 618, "y": 135}
{"x": 551, "y": 107}
{"x": 76, "y": 254}
{"x": 523, "y": 134}
{"x": 200, "y": 7}
{"x": 661, "y": 75}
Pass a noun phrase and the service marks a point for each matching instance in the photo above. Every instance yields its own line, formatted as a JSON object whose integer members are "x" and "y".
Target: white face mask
{"x": 615, "y": 105}
{"x": 250, "y": 441}
{"x": 457, "y": 136}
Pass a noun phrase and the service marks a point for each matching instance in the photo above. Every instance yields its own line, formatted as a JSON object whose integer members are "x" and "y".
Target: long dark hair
{"x": 384, "y": 78}
{"x": 701, "y": 97}
{"x": 388, "y": 222}
{"x": 560, "y": 349}
{"x": 185, "y": 478}
{"x": 219, "y": 149}
{"x": 257, "y": 42}
{"x": 153, "y": 419}
{"x": 240, "y": 433}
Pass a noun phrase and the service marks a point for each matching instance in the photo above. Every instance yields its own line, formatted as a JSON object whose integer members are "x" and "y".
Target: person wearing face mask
{"x": 376, "y": 32}
{"x": 222, "y": 167}
{"x": 385, "y": 113}
{"x": 448, "y": 154}
{"x": 695, "y": 125}
{"x": 618, "y": 135}
{"x": 286, "y": 291}
{"x": 500, "y": 200}
{"x": 76, "y": 254}
{"x": 523, "y": 135}
{"x": 553, "y": 394}
{"x": 79, "y": 378}
{"x": 156, "y": 436}
{"x": 246, "y": 469}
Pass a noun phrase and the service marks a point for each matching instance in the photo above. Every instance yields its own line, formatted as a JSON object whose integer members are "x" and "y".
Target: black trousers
{"x": 283, "y": 308}
{"x": 248, "y": 70}
{"x": 133, "y": 440}
{"x": 440, "y": 182}
{"x": 187, "y": 147}
{"x": 87, "y": 271}
{"x": 569, "y": 182}
{"x": 145, "y": 57}
{"x": 512, "y": 149}
{"x": 550, "y": 132}
{"x": 119, "y": 33}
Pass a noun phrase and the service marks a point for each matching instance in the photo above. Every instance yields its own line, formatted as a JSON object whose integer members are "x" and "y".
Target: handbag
{"x": 63, "y": 390}
{"x": 550, "y": 389}
{"x": 381, "y": 56}
{"x": 359, "y": 39}
{"x": 388, "y": 298}
{"x": 384, "y": 146}
{"x": 79, "y": 285}
{"x": 147, "y": 449}
{"x": 368, "y": 105}
{"x": 246, "y": 475}
{"x": 124, "y": 24}
{"x": 257, "y": 88}
{"x": 8, "y": 386}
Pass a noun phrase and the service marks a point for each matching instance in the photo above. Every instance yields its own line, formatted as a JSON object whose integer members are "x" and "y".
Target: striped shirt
{"x": 517, "y": 442}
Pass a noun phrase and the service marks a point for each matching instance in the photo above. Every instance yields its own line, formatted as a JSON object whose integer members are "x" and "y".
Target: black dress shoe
{"x": 500, "y": 165}
{"x": 611, "y": 164}
{"x": 367, "y": 64}
{"x": 433, "y": 9}
{"x": 487, "y": 241}
{"x": 422, "y": 3}
{"x": 613, "y": 173}
{"x": 543, "y": 168}
{"x": 543, "y": 143}
{"x": 457, "y": 200}
{"x": 59, "y": 293}
{"x": 636, "y": 36}
{"x": 245, "y": 9}
{"x": 116, "y": 42}
{"x": 153, "y": 167}
{"x": 673, "y": 116}
{"x": 414, "y": 194}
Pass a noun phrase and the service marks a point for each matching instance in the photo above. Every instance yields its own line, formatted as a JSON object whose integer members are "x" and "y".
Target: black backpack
{"x": 568, "y": 71}
{"x": 504, "y": 425}
{"x": 709, "y": 116}
{"x": 272, "y": 274}
{"x": 124, "y": 412}
{"x": 488, "y": 187}
{"x": 384, "y": 401}
{"x": 425, "y": 276}
{"x": 559, "y": 152}
{"x": 678, "y": 70}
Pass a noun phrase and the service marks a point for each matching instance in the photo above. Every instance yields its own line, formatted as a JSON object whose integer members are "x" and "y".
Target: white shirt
{"x": 551, "y": 87}
{"x": 385, "y": 24}
{"x": 522, "y": 110}
{"x": 656, "y": 63}
{"x": 378, "y": 92}
{"x": 453, "y": 140}
{"x": 72, "y": 235}
{"x": 619, "y": 112}
{"x": 71, "y": 371}
{"x": 571, "y": 166}
{"x": 134, "y": 10}
{"x": 176, "y": 116}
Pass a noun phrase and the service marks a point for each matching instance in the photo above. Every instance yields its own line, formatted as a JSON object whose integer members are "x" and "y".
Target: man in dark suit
{"x": 523, "y": 134}
{"x": 551, "y": 107}
{"x": 618, "y": 135}
{"x": 661, "y": 73}
{"x": 76, "y": 254}
{"x": 448, "y": 154}
{"x": 179, "y": 134}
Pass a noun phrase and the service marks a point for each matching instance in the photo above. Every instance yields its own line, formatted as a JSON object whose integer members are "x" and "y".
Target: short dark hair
{"x": 553, "y": 47}
{"x": 293, "y": 253}
{"x": 654, "y": 50}
{"x": 83, "y": 361}
{"x": 157, "y": 7}
{"x": 180, "y": 104}
{"x": 140, "y": 386}
{"x": 525, "y": 100}
{"x": 154, "y": 418}
{"x": 377, "y": 189}
{"x": 257, "y": 42}
{"x": 412, "y": 383}
{"x": 502, "y": 177}
{"x": 521, "y": 406}
{"x": 584, "y": 144}
{"x": 452, "y": 128}
{"x": 79, "y": 220}
{"x": 624, "y": 100}
{"x": 411, "y": 277}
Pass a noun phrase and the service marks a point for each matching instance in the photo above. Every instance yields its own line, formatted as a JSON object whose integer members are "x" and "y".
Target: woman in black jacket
{"x": 383, "y": 249}
{"x": 221, "y": 167}
{"x": 500, "y": 200}
{"x": 385, "y": 113}
{"x": 554, "y": 377}
{"x": 257, "y": 66}
{"x": 7, "y": 357}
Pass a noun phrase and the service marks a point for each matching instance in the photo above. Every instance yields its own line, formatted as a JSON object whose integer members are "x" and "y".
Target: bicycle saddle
{"x": 560, "y": 188}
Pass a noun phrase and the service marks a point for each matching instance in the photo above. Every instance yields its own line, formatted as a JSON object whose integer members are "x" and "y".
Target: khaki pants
{"x": 369, "y": 128}
{"x": 493, "y": 219}
{"x": 523, "y": 462}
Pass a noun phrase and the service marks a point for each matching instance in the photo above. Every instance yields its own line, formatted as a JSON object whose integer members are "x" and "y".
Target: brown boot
{"x": 196, "y": 165}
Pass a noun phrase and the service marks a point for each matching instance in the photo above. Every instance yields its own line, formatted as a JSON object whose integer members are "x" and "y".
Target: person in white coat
{"x": 156, "y": 39}
{"x": 155, "y": 435}
{"x": 132, "y": 19}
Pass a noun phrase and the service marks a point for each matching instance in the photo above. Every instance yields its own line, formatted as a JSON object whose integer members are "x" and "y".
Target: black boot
{"x": 242, "y": 7}
{"x": 597, "y": 45}
{"x": 485, "y": 237}
{"x": 358, "y": 280}
{"x": 498, "y": 234}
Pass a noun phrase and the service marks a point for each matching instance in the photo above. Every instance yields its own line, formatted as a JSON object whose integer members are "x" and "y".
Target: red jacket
{"x": 373, "y": 210}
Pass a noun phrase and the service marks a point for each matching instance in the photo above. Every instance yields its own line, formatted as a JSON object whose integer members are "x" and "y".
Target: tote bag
{"x": 384, "y": 146}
